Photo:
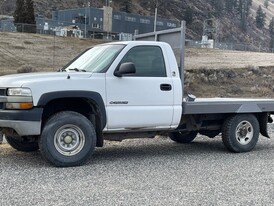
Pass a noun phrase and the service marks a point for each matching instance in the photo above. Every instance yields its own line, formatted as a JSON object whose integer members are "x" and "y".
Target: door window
{"x": 148, "y": 61}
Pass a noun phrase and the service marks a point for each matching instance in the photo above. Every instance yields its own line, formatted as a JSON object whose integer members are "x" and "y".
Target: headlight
{"x": 19, "y": 92}
{"x": 19, "y": 98}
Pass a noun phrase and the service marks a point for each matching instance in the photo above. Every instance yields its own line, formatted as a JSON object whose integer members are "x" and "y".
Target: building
{"x": 7, "y": 25}
{"x": 102, "y": 22}
{"x": 105, "y": 21}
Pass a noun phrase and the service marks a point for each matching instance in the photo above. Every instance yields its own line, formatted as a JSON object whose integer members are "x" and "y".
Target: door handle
{"x": 165, "y": 87}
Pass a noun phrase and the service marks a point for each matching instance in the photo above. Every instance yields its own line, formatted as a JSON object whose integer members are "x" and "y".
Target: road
{"x": 143, "y": 172}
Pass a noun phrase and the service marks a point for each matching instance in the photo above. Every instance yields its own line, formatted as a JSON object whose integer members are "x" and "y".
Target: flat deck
{"x": 227, "y": 105}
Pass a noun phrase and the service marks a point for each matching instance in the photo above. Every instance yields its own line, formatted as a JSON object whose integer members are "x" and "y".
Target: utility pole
{"x": 86, "y": 5}
{"x": 85, "y": 16}
{"x": 155, "y": 18}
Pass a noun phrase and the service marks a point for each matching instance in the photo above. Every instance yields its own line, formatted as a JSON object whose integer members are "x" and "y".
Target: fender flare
{"x": 94, "y": 97}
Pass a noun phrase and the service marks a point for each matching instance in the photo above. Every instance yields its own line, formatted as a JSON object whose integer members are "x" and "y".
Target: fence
{"x": 64, "y": 29}
{"x": 7, "y": 26}
{"x": 231, "y": 46}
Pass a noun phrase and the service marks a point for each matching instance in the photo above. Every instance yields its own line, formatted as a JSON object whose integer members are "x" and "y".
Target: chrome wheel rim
{"x": 244, "y": 132}
{"x": 69, "y": 140}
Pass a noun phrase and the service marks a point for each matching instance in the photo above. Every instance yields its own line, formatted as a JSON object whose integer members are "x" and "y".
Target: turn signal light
{"x": 22, "y": 105}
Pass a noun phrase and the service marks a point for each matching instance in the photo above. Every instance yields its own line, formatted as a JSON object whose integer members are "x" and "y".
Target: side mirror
{"x": 125, "y": 68}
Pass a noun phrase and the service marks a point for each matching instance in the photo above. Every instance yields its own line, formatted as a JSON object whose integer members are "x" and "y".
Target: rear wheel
{"x": 183, "y": 137}
{"x": 241, "y": 133}
{"x": 23, "y": 144}
{"x": 68, "y": 139}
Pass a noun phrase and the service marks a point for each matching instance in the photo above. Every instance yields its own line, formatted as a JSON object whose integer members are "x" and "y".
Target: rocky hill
{"x": 229, "y": 22}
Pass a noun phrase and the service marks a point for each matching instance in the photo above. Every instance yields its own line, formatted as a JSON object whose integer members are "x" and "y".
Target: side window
{"x": 148, "y": 60}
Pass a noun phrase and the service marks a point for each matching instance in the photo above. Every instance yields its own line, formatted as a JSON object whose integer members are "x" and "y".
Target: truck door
{"x": 143, "y": 100}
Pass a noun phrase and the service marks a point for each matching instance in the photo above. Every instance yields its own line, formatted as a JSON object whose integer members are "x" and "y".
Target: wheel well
{"x": 84, "y": 106}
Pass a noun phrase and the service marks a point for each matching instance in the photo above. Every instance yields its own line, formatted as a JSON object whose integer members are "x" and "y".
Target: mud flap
{"x": 264, "y": 118}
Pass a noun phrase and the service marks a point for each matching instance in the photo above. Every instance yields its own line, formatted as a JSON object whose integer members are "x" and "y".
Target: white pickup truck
{"x": 116, "y": 91}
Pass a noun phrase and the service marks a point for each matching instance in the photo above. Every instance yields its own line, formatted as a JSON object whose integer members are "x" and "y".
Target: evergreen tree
{"x": 260, "y": 18}
{"x": 188, "y": 16}
{"x": 126, "y": 6}
{"x": 240, "y": 7}
{"x": 229, "y": 5}
{"x": 24, "y": 16}
{"x": 19, "y": 14}
{"x": 219, "y": 7}
{"x": 271, "y": 33}
{"x": 266, "y": 3}
{"x": 29, "y": 10}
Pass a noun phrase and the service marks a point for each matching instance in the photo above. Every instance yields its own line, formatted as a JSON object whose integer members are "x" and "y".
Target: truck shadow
{"x": 138, "y": 149}
{"x": 154, "y": 150}
{"x": 199, "y": 148}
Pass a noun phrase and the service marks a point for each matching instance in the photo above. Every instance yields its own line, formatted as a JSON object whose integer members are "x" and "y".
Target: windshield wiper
{"x": 78, "y": 70}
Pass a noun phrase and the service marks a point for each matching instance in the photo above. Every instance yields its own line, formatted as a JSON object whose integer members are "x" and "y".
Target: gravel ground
{"x": 143, "y": 172}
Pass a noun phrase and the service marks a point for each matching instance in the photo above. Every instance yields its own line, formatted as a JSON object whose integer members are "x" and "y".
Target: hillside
{"x": 229, "y": 29}
{"x": 209, "y": 72}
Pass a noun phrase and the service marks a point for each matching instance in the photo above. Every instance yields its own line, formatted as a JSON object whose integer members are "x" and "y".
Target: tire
{"x": 183, "y": 137}
{"x": 240, "y": 133}
{"x": 23, "y": 144}
{"x": 68, "y": 139}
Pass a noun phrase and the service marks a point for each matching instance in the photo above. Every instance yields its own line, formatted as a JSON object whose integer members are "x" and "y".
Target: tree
{"x": 266, "y": 3}
{"x": 260, "y": 18}
{"x": 126, "y": 5}
{"x": 219, "y": 7}
{"x": 229, "y": 5}
{"x": 19, "y": 14}
{"x": 29, "y": 10}
{"x": 241, "y": 8}
{"x": 24, "y": 16}
{"x": 188, "y": 16}
{"x": 271, "y": 33}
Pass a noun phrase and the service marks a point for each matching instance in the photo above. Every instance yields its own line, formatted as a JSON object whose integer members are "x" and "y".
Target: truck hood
{"x": 21, "y": 80}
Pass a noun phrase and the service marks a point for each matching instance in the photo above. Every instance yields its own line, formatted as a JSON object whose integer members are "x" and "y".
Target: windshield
{"x": 96, "y": 59}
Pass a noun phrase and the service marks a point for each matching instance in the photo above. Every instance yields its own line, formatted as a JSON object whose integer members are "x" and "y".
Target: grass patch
{"x": 19, "y": 47}
{"x": 28, "y": 42}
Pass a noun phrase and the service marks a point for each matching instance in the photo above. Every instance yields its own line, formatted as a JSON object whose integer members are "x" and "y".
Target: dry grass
{"x": 245, "y": 82}
{"x": 216, "y": 59}
{"x": 43, "y": 53}
{"x": 209, "y": 73}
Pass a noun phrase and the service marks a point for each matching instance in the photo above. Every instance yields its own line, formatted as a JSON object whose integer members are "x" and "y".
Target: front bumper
{"x": 23, "y": 122}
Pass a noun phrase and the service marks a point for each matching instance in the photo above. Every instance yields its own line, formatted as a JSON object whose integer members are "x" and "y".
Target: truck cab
{"x": 150, "y": 91}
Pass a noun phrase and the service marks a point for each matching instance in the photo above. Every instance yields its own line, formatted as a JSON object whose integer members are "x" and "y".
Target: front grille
{"x": 2, "y": 92}
{"x": 1, "y": 105}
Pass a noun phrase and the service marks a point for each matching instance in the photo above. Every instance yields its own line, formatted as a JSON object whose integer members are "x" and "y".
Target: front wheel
{"x": 23, "y": 144}
{"x": 68, "y": 139}
{"x": 183, "y": 137}
{"x": 241, "y": 132}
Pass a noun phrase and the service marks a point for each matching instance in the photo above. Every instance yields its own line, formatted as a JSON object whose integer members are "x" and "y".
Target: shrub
{"x": 26, "y": 69}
